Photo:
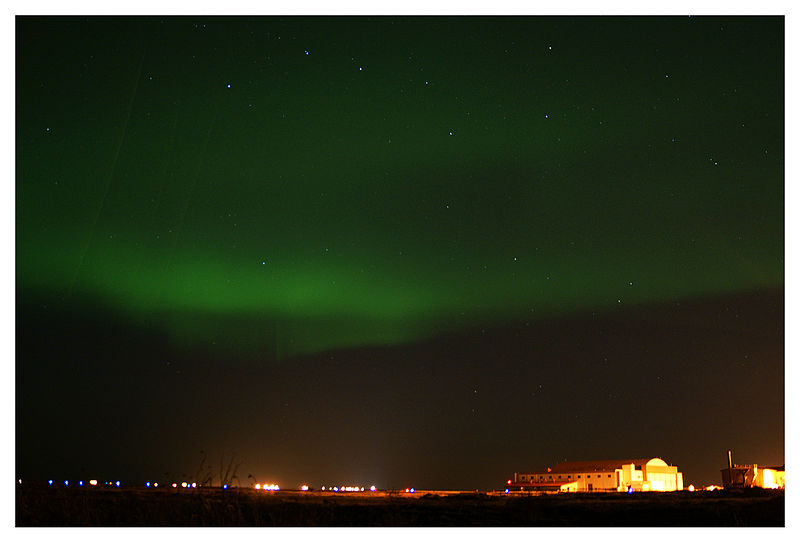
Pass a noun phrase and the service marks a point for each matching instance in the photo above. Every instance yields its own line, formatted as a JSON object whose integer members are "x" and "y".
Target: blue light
{"x": 50, "y": 482}
{"x": 412, "y": 491}
{"x": 66, "y": 483}
{"x": 116, "y": 484}
{"x": 630, "y": 490}
{"x": 147, "y": 484}
{"x": 506, "y": 491}
{"x": 80, "y": 483}
{"x": 224, "y": 487}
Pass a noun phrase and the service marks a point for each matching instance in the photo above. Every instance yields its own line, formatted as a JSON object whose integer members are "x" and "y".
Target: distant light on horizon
{"x": 93, "y": 482}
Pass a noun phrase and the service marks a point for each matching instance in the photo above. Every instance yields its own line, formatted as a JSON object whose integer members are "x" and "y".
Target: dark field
{"x": 44, "y": 506}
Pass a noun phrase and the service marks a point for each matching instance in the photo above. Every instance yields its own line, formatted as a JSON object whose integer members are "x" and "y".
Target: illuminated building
{"x": 750, "y": 475}
{"x": 632, "y": 474}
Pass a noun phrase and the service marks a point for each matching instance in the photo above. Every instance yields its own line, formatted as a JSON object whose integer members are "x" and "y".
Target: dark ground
{"x": 38, "y": 505}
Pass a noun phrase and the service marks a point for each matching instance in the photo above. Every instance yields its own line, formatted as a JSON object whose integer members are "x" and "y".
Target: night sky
{"x": 397, "y": 251}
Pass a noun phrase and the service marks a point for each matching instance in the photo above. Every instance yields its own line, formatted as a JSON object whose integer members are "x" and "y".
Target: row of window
{"x": 567, "y": 477}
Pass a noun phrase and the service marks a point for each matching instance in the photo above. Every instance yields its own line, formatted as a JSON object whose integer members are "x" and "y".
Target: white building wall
{"x": 655, "y": 475}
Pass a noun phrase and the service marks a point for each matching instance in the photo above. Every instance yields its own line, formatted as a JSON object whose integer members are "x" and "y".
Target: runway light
{"x": 258, "y": 486}
{"x": 336, "y": 489}
{"x": 183, "y": 484}
{"x": 50, "y": 482}
{"x": 506, "y": 491}
{"x": 304, "y": 488}
{"x": 508, "y": 482}
{"x": 155, "y": 485}
{"x": 224, "y": 487}
{"x": 66, "y": 483}
{"x": 194, "y": 485}
{"x": 116, "y": 484}
{"x": 630, "y": 490}
{"x": 372, "y": 488}
{"x": 691, "y": 488}
{"x": 174, "y": 485}
{"x": 412, "y": 490}
{"x": 93, "y": 482}
{"x": 362, "y": 489}
{"x": 323, "y": 488}
{"x": 80, "y": 483}
{"x": 406, "y": 491}
{"x": 147, "y": 484}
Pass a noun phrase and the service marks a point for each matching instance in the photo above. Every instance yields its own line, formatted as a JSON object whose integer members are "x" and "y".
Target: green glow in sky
{"x": 304, "y": 184}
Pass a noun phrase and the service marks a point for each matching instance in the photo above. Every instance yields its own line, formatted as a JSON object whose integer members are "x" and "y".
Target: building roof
{"x": 598, "y": 465}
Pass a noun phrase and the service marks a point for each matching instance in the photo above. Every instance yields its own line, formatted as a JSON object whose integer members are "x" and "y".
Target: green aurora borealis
{"x": 396, "y": 250}
{"x": 405, "y": 177}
